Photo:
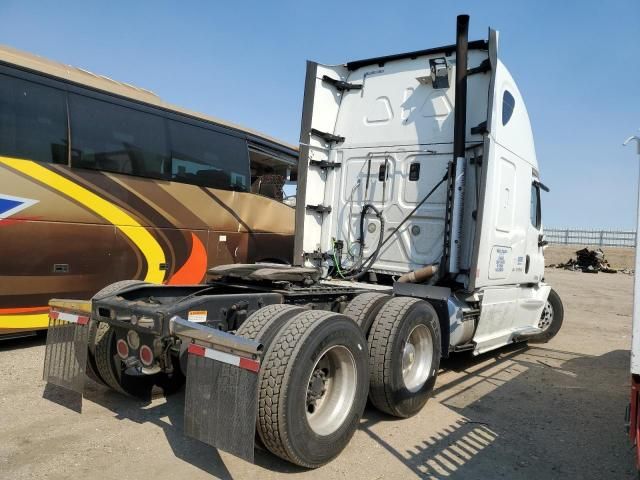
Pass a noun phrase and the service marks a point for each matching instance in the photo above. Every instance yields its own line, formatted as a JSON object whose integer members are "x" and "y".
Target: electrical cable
{"x": 366, "y": 265}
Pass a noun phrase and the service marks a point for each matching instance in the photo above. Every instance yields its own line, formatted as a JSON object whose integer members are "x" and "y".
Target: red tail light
{"x": 146, "y": 356}
{"x": 123, "y": 349}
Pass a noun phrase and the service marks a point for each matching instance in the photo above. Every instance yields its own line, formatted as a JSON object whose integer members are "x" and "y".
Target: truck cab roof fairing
{"x": 516, "y": 133}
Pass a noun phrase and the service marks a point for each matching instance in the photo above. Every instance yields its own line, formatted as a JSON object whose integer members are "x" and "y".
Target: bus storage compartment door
{"x": 65, "y": 357}
{"x": 221, "y": 399}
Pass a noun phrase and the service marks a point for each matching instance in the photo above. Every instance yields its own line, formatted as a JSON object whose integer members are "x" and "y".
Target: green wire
{"x": 335, "y": 262}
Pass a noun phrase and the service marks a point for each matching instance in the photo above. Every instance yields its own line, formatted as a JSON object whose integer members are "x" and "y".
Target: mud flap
{"x": 221, "y": 402}
{"x": 65, "y": 357}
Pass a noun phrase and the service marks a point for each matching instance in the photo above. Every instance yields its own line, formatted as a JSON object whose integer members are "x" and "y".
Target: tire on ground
{"x": 364, "y": 308}
{"x": 285, "y": 379}
{"x": 263, "y": 325}
{"x": 92, "y": 368}
{"x": 396, "y": 320}
{"x": 552, "y": 330}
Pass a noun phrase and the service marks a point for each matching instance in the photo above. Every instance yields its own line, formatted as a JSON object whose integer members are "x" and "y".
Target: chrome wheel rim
{"x": 546, "y": 318}
{"x": 331, "y": 390}
{"x": 417, "y": 358}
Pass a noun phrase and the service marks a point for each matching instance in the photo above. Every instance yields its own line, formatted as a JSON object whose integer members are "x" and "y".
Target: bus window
{"x": 33, "y": 121}
{"x": 113, "y": 138}
{"x": 208, "y": 158}
{"x": 271, "y": 175}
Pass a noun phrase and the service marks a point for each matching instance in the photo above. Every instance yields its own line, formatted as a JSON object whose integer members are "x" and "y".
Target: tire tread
{"x": 383, "y": 333}
{"x": 365, "y": 305}
{"x": 274, "y": 378}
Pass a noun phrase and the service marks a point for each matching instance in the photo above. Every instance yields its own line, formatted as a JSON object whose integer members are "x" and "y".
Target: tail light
{"x": 146, "y": 356}
{"x": 123, "y": 349}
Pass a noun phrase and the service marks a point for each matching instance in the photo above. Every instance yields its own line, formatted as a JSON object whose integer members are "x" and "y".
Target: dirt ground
{"x": 553, "y": 411}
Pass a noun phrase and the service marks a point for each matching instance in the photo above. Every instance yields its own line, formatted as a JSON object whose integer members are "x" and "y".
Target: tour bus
{"x": 102, "y": 181}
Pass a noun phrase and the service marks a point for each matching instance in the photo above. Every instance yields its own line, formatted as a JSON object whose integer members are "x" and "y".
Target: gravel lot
{"x": 524, "y": 412}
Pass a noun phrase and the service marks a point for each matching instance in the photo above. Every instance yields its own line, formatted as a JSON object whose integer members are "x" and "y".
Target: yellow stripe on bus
{"x": 32, "y": 321}
{"x": 122, "y": 220}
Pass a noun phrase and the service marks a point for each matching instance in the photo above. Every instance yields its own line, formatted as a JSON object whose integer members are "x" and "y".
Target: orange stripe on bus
{"x": 194, "y": 269}
{"x": 7, "y": 311}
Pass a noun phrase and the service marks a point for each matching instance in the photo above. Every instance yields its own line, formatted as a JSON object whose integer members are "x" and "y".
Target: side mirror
{"x": 541, "y": 241}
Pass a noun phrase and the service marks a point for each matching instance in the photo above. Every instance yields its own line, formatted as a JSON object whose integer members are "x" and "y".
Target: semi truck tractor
{"x": 418, "y": 235}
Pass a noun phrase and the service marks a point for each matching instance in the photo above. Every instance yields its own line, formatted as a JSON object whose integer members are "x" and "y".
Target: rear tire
{"x": 313, "y": 388}
{"x": 551, "y": 318}
{"x": 404, "y": 356}
{"x": 264, "y": 324}
{"x": 364, "y": 308}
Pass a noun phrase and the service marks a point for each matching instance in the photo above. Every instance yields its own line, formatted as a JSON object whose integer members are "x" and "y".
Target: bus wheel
{"x": 92, "y": 368}
{"x": 550, "y": 319}
{"x": 404, "y": 356}
{"x": 364, "y": 308}
{"x": 313, "y": 388}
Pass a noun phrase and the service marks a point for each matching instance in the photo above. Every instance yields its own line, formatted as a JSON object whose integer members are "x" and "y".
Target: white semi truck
{"x": 418, "y": 234}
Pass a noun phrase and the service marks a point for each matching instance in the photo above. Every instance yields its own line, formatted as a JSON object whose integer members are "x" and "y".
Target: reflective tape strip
{"x": 69, "y": 317}
{"x": 244, "y": 363}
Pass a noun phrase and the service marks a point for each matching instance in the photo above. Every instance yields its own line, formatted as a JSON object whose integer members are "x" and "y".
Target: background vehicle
{"x": 418, "y": 234}
{"x": 102, "y": 181}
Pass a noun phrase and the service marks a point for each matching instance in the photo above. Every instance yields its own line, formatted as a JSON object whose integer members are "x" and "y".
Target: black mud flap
{"x": 65, "y": 357}
{"x": 222, "y": 400}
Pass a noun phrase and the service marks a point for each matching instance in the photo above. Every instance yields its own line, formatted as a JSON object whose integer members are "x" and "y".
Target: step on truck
{"x": 418, "y": 235}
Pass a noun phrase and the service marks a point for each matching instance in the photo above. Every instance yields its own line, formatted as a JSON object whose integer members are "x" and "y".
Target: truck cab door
{"x": 534, "y": 260}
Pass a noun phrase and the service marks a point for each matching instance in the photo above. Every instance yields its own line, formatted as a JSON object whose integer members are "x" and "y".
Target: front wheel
{"x": 550, "y": 319}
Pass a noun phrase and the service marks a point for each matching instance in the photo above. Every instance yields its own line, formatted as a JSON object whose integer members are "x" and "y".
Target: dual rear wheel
{"x": 403, "y": 336}
{"x": 312, "y": 383}
{"x": 318, "y": 370}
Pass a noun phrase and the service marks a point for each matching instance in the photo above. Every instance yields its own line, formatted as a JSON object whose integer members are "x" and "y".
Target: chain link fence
{"x": 594, "y": 238}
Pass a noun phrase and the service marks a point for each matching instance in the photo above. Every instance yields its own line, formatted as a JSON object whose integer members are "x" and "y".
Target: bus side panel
{"x": 227, "y": 247}
{"x": 44, "y": 259}
{"x": 270, "y": 247}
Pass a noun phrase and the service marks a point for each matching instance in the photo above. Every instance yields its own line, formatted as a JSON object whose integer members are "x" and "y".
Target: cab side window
{"x": 535, "y": 212}
{"x": 508, "y": 104}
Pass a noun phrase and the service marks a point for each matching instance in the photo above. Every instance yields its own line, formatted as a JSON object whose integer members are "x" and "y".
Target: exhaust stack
{"x": 460, "y": 113}
{"x": 459, "y": 134}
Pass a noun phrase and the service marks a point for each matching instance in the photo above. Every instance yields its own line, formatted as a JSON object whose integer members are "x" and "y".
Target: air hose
{"x": 359, "y": 270}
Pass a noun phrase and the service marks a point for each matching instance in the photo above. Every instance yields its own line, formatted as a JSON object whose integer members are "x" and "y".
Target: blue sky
{"x": 576, "y": 63}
